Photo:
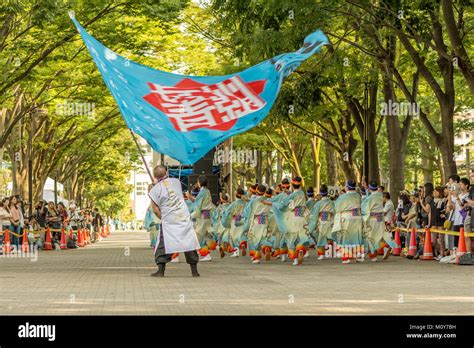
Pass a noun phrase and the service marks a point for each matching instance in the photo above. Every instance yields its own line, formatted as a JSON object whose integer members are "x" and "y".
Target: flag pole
{"x": 141, "y": 154}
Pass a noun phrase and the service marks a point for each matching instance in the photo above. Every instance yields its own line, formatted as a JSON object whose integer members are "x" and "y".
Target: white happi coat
{"x": 177, "y": 227}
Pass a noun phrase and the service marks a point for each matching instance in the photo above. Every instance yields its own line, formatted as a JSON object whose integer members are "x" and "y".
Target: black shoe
{"x": 194, "y": 270}
{"x": 161, "y": 271}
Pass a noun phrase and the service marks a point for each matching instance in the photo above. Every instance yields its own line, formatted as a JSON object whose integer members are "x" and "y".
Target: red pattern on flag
{"x": 192, "y": 105}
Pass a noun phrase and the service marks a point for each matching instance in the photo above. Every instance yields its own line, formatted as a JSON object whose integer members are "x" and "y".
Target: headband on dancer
{"x": 322, "y": 193}
{"x": 296, "y": 181}
{"x": 350, "y": 185}
{"x": 285, "y": 185}
{"x": 372, "y": 187}
{"x": 310, "y": 193}
{"x": 260, "y": 192}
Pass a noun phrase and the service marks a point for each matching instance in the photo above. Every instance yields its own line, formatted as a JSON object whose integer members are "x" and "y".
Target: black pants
{"x": 162, "y": 257}
{"x": 457, "y": 228}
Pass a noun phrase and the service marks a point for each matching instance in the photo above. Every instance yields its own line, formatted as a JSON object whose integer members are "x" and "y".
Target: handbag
{"x": 448, "y": 223}
{"x": 467, "y": 259}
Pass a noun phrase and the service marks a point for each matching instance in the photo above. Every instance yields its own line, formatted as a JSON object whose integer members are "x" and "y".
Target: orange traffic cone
{"x": 104, "y": 235}
{"x": 412, "y": 247}
{"x": 47, "y": 242}
{"x": 6, "y": 237}
{"x": 108, "y": 230}
{"x": 397, "y": 251}
{"x": 63, "y": 244}
{"x": 87, "y": 236}
{"x": 80, "y": 240}
{"x": 25, "y": 247}
{"x": 428, "y": 248}
{"x": 461, "y": 245}
{"x": 84, "y": 237}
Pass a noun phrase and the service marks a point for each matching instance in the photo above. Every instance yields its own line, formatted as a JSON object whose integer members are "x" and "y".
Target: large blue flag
{"x": 186, "y": 116}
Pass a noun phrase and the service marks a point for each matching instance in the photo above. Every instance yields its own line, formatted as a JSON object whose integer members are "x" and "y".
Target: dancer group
{"x": 285, "y": 222}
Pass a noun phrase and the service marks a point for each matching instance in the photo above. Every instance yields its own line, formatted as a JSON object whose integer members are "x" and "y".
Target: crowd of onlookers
{"x": 14, "y": 218}
{"x": 448, "y": 207}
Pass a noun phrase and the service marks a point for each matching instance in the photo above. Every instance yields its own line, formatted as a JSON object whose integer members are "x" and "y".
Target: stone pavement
{"x": 113, "y": 277}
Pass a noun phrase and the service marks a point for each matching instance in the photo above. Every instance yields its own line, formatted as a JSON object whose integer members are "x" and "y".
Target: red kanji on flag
{"x": 192, "y": 105}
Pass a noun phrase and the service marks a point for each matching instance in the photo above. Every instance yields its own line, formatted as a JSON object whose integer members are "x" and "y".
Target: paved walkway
{"x": 113, "y": 277}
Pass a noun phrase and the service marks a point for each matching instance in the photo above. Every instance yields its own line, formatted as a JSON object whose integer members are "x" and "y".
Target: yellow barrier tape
{"x": 435, "y": 230}
{"x": 40, "y": 232}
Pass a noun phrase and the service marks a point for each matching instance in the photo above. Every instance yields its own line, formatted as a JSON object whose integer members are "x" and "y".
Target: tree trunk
{"x": 439, "y": 164}
{"x": 374, "y": 170}
{"x": 331, "y": 165}
{"x": 258, "y": 168}
{"x": 279, "y": 173}
{"x": 268, "y": 169}
{"x": 446, "y": 144}
{"x": 397, "y": 142}
{"x": 350, "y": 173}
{"x": 427, "y": 166}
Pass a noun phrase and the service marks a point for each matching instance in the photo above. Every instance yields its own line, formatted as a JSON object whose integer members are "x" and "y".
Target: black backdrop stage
{"x": 189, "y": 174}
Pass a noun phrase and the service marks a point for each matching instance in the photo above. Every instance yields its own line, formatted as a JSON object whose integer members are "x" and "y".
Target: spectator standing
{"x": 21, "y": 209}
{"x": 15, "y": 222}
{"x": 75, "y": 218}
{"x": 41, "y": 212}
{"x": 63, "y": 214}
{"x": 411, "y": 217}
{"x": 438, "y": 220}
{"x": 88, "y": 220}
{"x": 4, "y": 220}
{"x": 97, "y": 223}
{"x": 54, "y": 221}
{"x": 389, "y": 216}
{"x": 403, "y": 209}
{"x": 469, "y": 224}
{"x": 456, "y": 204}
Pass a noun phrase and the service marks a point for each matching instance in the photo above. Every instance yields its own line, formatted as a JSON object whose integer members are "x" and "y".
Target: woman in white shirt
{"x": 388, "y": 209}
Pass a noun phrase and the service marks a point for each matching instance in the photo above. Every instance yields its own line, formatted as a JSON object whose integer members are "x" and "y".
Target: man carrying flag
{"x": 176, "y": 233}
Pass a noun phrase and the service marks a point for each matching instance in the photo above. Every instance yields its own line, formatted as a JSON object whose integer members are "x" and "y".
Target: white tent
{"x": 48, "y": 191}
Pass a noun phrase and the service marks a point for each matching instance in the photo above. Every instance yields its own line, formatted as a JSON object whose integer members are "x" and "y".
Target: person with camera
{"x": 456, "y": 201}
{"x": 41, "y": 211}
{"x": 75, "y": 218}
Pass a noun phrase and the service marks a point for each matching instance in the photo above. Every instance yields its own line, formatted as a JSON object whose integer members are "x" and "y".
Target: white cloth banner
{"x": 176, "y": 224}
